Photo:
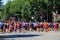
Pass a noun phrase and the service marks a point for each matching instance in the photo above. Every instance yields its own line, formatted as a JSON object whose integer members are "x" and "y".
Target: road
{"x": 31, "y": 36}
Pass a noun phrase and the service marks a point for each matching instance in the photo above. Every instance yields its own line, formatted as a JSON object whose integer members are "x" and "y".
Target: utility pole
{"x": 47, "y": 12}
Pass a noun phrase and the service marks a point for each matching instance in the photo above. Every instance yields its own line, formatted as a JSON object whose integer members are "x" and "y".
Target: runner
{"x": 7, "y": 26}
{"x": 4, "y": 28}
{"x": 1, "y": 27}
{"x": 51, "y": 26}
{"x": 38, "y": 27}
{"x": 46, "y": 26}
{"x": 55, "y": 26}
{"x": 26, "y": 26}
{"x": 15, "y": 27}
{"x": 18, "y": 26}
{"x": 10, "y": 28}
{"x": 31, "y": 26}
{"x": 23, "y": 27}
{"x": 59, "y": 26}
{"x": 41, "y": 26}
{"x": 35, "y": 26}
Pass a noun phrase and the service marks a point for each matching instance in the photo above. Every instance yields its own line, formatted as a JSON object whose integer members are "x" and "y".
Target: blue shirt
{"x": 1, "y": 24}
{"x": 51, "y": 25}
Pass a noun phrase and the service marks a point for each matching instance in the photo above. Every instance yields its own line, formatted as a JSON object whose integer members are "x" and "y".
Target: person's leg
{"x": 1, "y": 29}
{"x": 55, "y": 29}
{"x": 15, "y": 29}
{"x": 27, "y": 28}
{"x": 19, "y": 29}
{"x": 46, "y": 29}
{"x": 4, "y": 29}
{"x": 35, "y": 28}
{"x": 31, "y": 28}
{"x": 41, "y": 28}
{"x": 24, "y": 29}
{"x": 38, "y": 28}
{"x": 10, "y": 29}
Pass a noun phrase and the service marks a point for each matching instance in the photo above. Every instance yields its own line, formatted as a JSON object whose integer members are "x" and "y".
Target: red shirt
{"x": 45, "y": 25}
{"x": 55, "y": 25}
{"x": 38, "y": 25}
{"x": 26, "y": 24}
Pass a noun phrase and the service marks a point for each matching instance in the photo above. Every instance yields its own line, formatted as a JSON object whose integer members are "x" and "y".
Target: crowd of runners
{"x": 23, "y": 26}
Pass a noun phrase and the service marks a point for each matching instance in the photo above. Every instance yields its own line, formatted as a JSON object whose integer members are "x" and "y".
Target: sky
{"x": 4, "y": 1}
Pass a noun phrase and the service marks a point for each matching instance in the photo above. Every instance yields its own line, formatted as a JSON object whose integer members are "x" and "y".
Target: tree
{"x": 26, "y": 8}
{"x": 38, "y": 7}
{"x": 17, "y": 8}
{"x": 1, "y": 7}
{"x": 0, "y": 4}
{"x": 45, "y": 7}
{"x": 6, "y": 9}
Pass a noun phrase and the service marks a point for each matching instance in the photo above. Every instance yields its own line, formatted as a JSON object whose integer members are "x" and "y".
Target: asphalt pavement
{"x": 52, "y": 35}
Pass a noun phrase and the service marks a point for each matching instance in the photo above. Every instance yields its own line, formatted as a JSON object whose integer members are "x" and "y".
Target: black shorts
{"x": 19, "y": 27}
{"x": 31, "y": 27}
{"x": 41, "y": 26}
{"x": 34, "y": 28}
{"x": 25, "y": 27}
{"x": 7, "y": 27}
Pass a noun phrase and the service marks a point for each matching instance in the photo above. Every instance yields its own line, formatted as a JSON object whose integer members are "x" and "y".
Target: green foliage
{"x": 17, "y": 8}
{"x": 27, "y": 8}
{"x": 0, "y": 14}
{"x": 0, "y": 9}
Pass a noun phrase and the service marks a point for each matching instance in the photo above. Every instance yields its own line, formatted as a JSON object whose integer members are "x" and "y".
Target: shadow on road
{"x": 19, "y": 36}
